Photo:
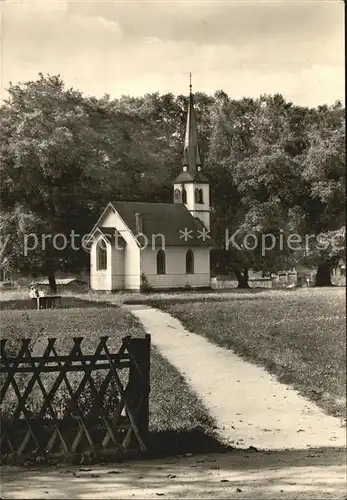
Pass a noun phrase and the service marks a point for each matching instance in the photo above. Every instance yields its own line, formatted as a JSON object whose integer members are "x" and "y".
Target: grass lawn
{"x": 15, "y": 298}
{"x": 299, "y": 335}
{"x": 178, "y": 421}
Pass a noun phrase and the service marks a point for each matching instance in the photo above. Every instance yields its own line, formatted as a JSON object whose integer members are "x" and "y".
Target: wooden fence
{"x": 74, "y": 404}
{"x": 253, "y": 283}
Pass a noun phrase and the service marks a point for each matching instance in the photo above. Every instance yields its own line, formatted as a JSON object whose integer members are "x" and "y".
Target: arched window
{"x": 101, "y": 255}
{"x": 189, "y": 262}
{"x": 198, "y": 195}
{"x": 161, "y": 262}
{"x": 201, "y": 195}
{"x": 177, "y": 196}
{"x": 184, "y": 196}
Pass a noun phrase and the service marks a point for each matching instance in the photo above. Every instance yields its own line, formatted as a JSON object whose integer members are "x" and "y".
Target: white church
{"x": 165, "y": 245}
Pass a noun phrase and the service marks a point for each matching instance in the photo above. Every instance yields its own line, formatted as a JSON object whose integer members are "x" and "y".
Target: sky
{"x": 134, "y": 47}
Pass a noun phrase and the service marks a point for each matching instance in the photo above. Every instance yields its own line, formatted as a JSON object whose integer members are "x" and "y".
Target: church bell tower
{"x": 191, "y": 187}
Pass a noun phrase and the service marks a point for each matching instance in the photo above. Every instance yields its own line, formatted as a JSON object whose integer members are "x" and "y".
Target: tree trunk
{"x": 242, "y": 278}
{"x": 52, "y": 282}
{"x": 323, "y": 277}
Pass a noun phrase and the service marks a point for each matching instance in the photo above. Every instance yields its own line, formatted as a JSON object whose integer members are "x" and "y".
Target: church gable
{"x": 112, "y": 226}
{"x": 112, "y": 236}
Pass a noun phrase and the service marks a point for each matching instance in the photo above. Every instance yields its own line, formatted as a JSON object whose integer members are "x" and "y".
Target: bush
{"x": 145, "y": 286}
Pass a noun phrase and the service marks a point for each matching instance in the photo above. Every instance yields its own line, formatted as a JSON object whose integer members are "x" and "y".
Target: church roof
{"x": 191, "y": 159}
{"x": 169, "y": 219}
{"x": 191, "y": 153}
{"x": 185, "y": 177}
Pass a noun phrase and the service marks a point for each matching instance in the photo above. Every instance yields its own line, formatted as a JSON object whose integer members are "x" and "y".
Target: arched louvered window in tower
{"x": 184, "y": 196}
{"x": 201, "y": 196}
{"x": 177, "y": 196}
{"x": 196, "y": 195}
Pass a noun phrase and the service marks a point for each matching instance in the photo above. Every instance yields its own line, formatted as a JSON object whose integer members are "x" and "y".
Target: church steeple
{"x": 191, "y": 154}
{"x": 191, "y": 187}
{"x": 191, "y": 158}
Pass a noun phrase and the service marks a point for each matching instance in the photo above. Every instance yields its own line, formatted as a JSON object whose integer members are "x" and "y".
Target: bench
{"x": 47, "y": 301}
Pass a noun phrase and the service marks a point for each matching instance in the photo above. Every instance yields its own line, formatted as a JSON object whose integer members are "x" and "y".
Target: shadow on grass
{"x": 67, "y": 303}
{"x": 171, "y": 443}
{"x": 163, "y": 444}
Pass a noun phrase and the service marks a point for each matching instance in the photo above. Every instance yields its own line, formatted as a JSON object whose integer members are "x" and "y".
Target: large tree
{"x": 254, "y": 182}
{"x": 57, "y": 151}
{"x": 324, "y": 176}
{"x": 292, "y": 184}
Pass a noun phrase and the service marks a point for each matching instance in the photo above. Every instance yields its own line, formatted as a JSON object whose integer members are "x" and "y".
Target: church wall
{"x": 117, "y": 271}
{"x": 100, "y": 280}
{"x": 176, "y": 276}
{"x": 132, "y": 279}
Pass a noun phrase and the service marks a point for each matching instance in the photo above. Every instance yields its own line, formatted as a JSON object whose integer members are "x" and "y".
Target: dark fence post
{"x": 139, "y": 383}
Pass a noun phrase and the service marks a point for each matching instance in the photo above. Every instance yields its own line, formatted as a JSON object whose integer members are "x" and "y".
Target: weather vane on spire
{"x": 190, "y": 82}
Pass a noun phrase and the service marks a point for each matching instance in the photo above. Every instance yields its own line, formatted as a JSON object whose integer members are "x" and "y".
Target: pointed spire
{"x": 191, "y": 154}
{"x": 191, "y": 160}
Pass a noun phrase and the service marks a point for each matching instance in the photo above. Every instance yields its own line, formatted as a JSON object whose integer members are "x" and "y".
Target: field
{"x": 299, "y": 335}
{"x": 15, "y": 298}
{"x": 178, "y": 421}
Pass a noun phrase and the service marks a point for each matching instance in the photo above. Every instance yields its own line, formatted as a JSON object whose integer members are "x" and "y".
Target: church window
{"x": 189, "y": 262}
{"x": 177, "y": 196}
{"x": 184, "y": 196}
{"x": 161, "y": 262}
{"x": 198, "y": 195}
{"x": 101, "y": 255}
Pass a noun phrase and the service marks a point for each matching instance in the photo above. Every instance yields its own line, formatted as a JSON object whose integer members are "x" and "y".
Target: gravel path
{"x": 290, "y": 475}
{"x": 250, "y": 407}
